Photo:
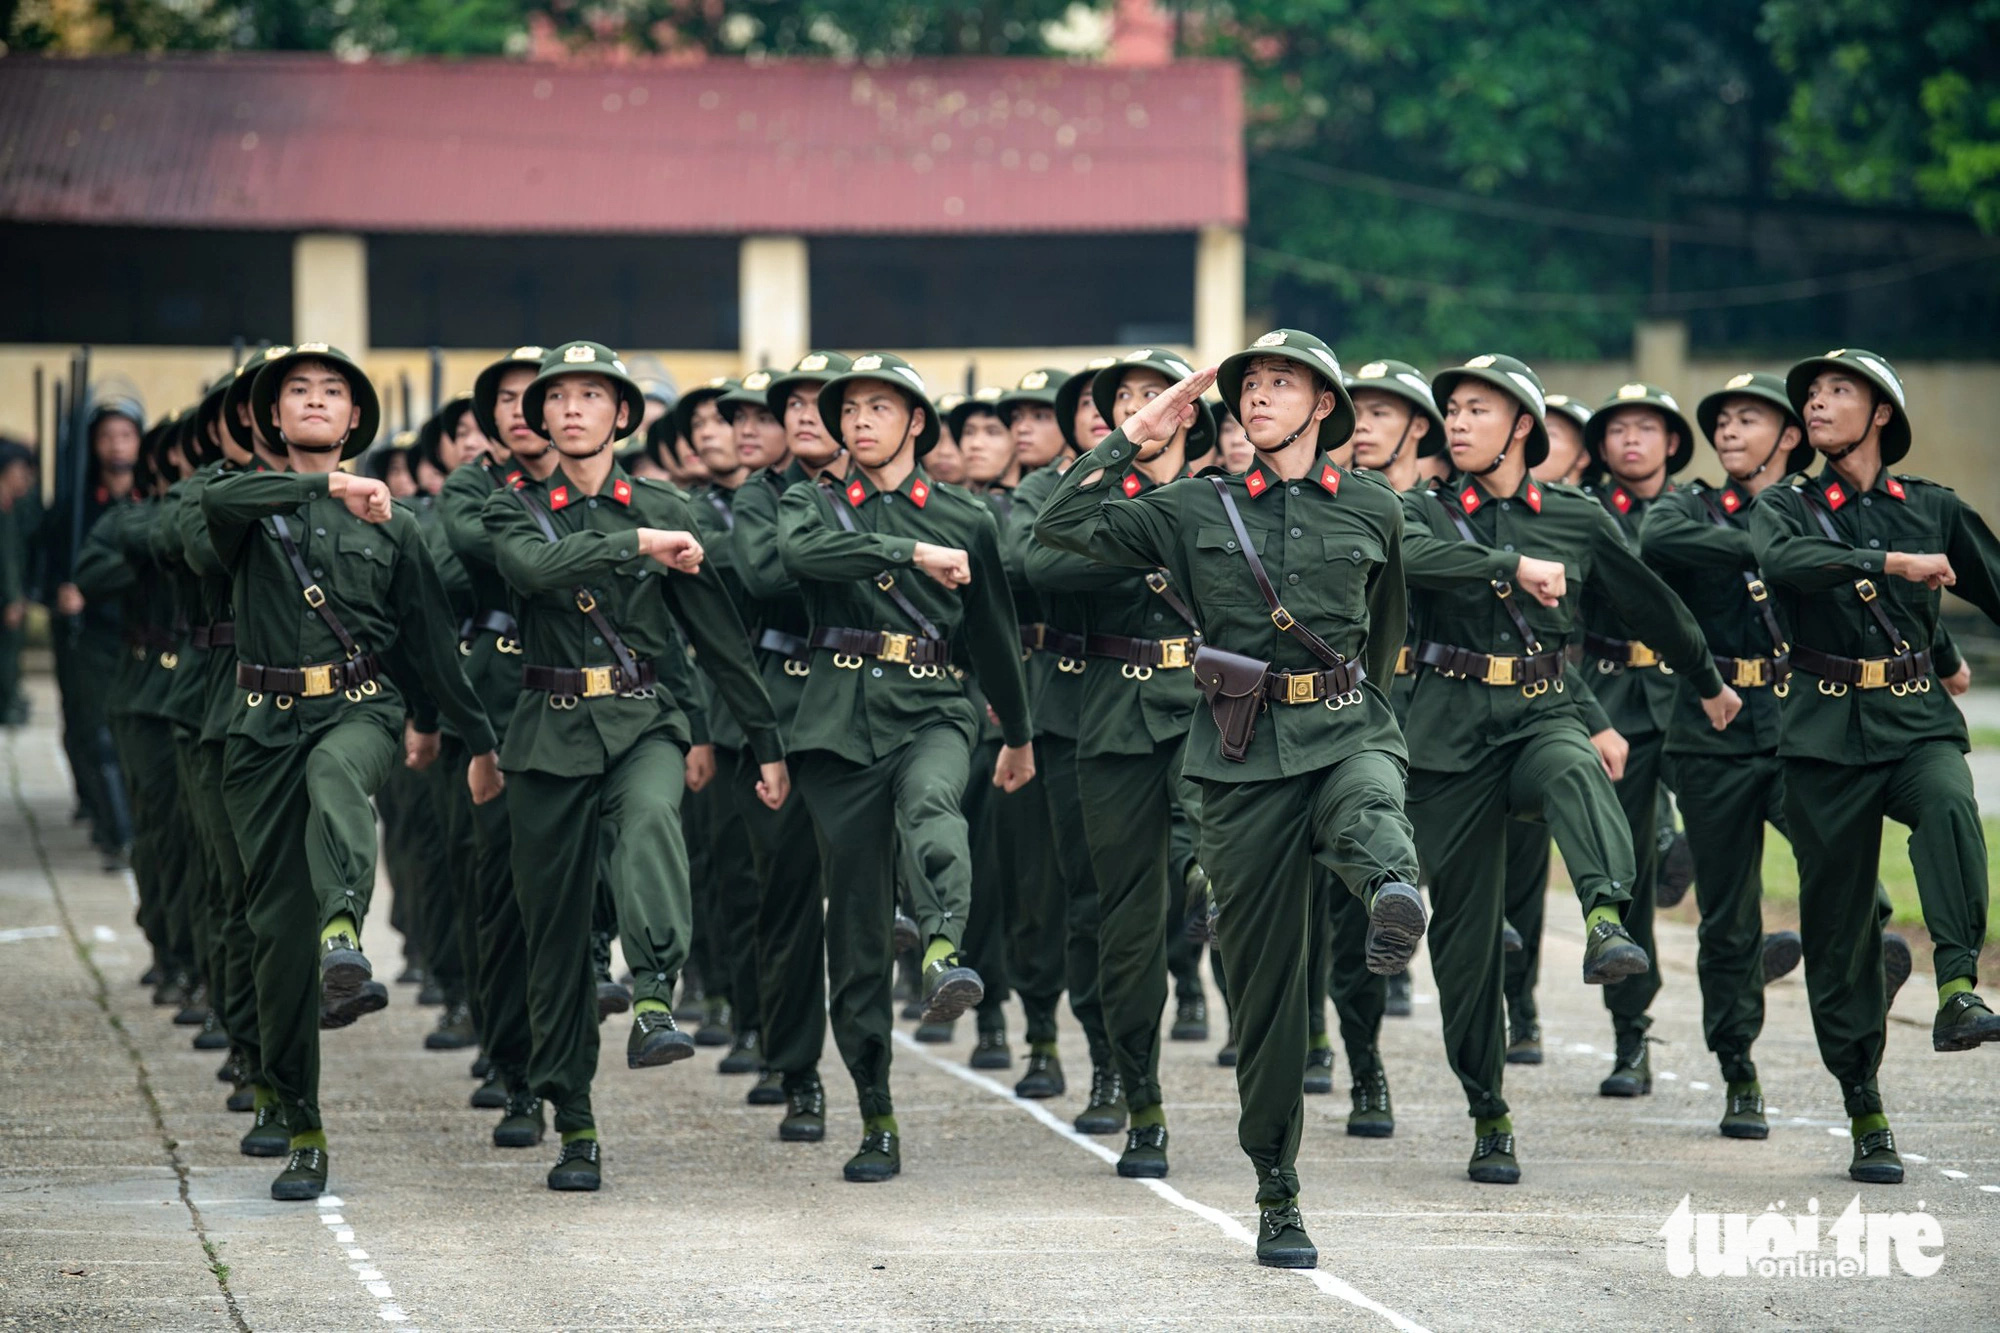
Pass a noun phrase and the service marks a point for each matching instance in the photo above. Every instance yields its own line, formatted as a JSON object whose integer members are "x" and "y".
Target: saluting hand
{"x": 774, "y": 784}
{"x": 673, "y": 548}
{"x": 483, "y": 776}
{"x": 947, "y": 564}
{"x": 366, "y": 498}
{"x": 1015, "y": 768}
{"x": 1543, "y": 580}
{"x": 420, "y": 748}
{"x": 1723, "y": 708}
{"x": 1162, "y": 418}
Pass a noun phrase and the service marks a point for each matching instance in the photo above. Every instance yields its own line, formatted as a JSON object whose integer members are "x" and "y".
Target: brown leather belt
{"x": 1045, "y": 638}
{"x": 1406, "y": 661}
{"x": 1755, "y": 673}
{"x": 145, "y": 639}
{"x": 1903, "y": 673}
{"x": 1334, "y": 686}
{"x": 488, "y": 622}
{"x": 791, "y": 647}
{"x": 1142, "y": 654}
{"x": 1628, "y": 653}
{"x": 902, "y": 649}
{"x": 222, "y": 634}
{"x": 596, "y": 682}
{"x": 310, "y": 682}
{"x": 1492, "y": 668}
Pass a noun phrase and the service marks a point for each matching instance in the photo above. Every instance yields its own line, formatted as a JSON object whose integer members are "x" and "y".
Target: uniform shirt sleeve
{"x": 759, "y": 563}
{"x": 1137, "y": 532}
{"x": 427, "y": 643}
{"x": 1652, "y": 608}
{"x": 992, "y": 640}
{"x": 705, "y": 611}
{"x": 1974, "y": 555}
{"x": 102, "y": 569}
{"x": 1791, "y": 552}
{"x": 816, "y": 547}
{"x": 235, "y": 504}
{"x": 1431, "y": 561}
{"x": 534, "y": 564}
{"x": 1678, "y": 535}
{"x": 1388, "y": 605}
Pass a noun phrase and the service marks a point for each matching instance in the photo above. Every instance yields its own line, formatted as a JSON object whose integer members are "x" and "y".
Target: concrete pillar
{"x": 1660, "y": 354}
{"x": 773, "y": 300}
{"x": 330, "y": 291}
{"x": 1218, "y": 294}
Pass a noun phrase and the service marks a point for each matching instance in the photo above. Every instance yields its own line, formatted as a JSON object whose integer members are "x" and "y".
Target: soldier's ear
{"x": 1789, "y": 437}
{"x": 918, "y": 419}
{"x": 1324, "y": 407}
{"x": 1884, "y": 413}
{"x": 1420, "y": 425}
{"x": 624, "y": 414}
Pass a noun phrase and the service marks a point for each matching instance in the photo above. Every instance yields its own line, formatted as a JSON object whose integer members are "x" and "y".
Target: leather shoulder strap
{"x": 885, "y": 580}
{"x": 1157, "y": 581}
{"x": 314, "y": 594}
{"x": 1280, "y": 617}
{"x": 1865, "y": 589}
{"x": 586, "y": 603}
{"x": 1531, "y": 643}
{"x": 1760, "y": 596}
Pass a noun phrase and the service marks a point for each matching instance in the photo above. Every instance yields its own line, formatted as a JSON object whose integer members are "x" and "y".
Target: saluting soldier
{"x": 1858, "y": 555}
{"x": 1498, "y": 726}
{"x": 601, "y": 567}
{"x": 885, "y": 731}
{"x": 332, "y": 588}
{"x": 1294, "y": 572}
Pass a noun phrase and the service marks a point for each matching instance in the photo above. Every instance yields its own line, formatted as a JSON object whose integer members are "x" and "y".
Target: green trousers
{"x": 1260, "y": 842}
{"x": 985, "y": 946}
{"x": 789, "y": 918}
{"x": 732, "y": 867}
{"x": 1527, "y": 899}
{"x": 1129, "y": 805}
{"x": 707, "y": 950}
{"x": 499, "y": 962}
{"x": 1725, "y": 803}
{"x": 232, "y": 984}
{"x": 13, "y": 704}
{"x": 160, "y": 842}
{"x": 307, "y": 834}
{"x": 1835, "y": 814}
{"x": 865, "y": 813}
{"x": 1360, "y": 998}
{"x": 1183, "y": 954}
{"x": 87, "y": 665}
{"x": 1031, "y": 882}
{"x": 624, "y": 825}
{"x": 1461, "y": 821}
{"x": 198, "y": 887}
{"x": 1060, "y": 922}
{"x": 1639, "y": 793}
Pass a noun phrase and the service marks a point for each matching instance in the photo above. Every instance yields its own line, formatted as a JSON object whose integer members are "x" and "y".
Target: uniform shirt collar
{"x": 1835, "y": 491}
{"x": 859, "y": 489}
{"x": 563, "y": 492}
{"x": 1325, "y": 473}
{"x": 1471, "y": 495}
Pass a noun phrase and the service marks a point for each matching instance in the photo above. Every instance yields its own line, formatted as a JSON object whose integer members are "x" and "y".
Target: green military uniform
{"x": 20, "y": 522}
{"x": 1321, "y": 778}
{"x": 1864, "y": 735}
{"x": 318, "y": 721}
{"x": 885, "y": 731}
{"x": 1499, "y": 728}
{"x": 1637, "y": 696}
{"x": 596, "y": 748}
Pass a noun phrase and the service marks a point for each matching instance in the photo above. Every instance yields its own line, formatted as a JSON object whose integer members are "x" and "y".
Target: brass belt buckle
{"x": 584, "y": 601}
{"x": 319, "y": 681}
{"x": 1173, "y": 654}
{"x": 1874, "y": 672}
{"x": 1301, "y": 688}
{"x": 314, "y": 597}
{"x": 1499, "y": 671}
{"x": 1406, "y": 661}
{"x": 597, "y": 682}
{"x": 1758, "y": 592}
{"x": 1749, "y": 673}
{"x": 1639, "y": 655}
{"x": 895, "y": 648}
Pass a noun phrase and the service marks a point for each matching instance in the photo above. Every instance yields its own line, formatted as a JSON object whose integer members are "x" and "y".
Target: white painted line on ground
{"x": 1699, "y": 1086}
{"x": 1991, "y": 1189}
{"x": 1215, "y": 1217}
{"x": 1669, "y": 1075}
{"x": 1950, "y": 1174}
{"x": 131, "y": 885}
{"x": 19, "y": 933}
{"x": 104, "y": 934}
{"x": 365, "y": 1272}
{"x": 1918, "y": 1158}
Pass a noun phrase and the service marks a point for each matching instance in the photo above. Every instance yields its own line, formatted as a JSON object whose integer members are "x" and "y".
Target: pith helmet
{"x": 1651, "y": 396}
{"x": 1404, "y": 381}
{"x": 1764, "y": 387}
{"x": 486, "y": 388}
{"x": 271, "y": 377}
{"x": 1308, "y": 351}
{"x": 1513, "y": 377}
{"x": 1104, "y": 393}
{"x": 890, "y": 369}
{"x": 582, "y": 358}
{"x": 1862, "y": 364}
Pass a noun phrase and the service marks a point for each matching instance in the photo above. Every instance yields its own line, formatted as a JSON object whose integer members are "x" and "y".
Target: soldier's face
{"x": 946, "y": 461}
{"x": 877, "y": 421}
{"x": 429, "y": 479}
{"x": 1566, "y": 451}
{"x": 396, "y": 476}
{"x": 1237, "y": 454}
{"x": 804, "y": 431}
{"x": 1037, "y": 437}
{"x": 582, "y": 412}
{"x": 515, "y": 436}
{"x": 115, "y": 441}
{"x": 714, "y": 441}
{"x": 471, "y": 441}
{"x": 1840, "y": 409}
{"x": 1382, "y": 421}
{"x": 1088, "y": 425}
{"x": 315, "y": 407}
{"x": 1480, "y": 422}
{"x": 1747, "y": 432}
{"x": 760, "y": 438}
{"x": 1636, "y": 443}
{"x": 987, "y": 445}
{"x": 1278, "y": 397}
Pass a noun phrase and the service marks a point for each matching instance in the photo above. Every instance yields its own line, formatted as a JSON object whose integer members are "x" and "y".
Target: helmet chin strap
{"x": 288, "y": 444}
{"x": 1291, "y": 439}
{"x": 1401, "y": 440}
{"x": 1776, "y": 445}
{"x": 1501, "y": 457}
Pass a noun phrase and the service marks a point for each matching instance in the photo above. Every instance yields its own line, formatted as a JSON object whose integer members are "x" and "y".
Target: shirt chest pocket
{"x": 1349, "y": 561}
{"x": 1221, "y": 573}
{"x": 365, "y": 561}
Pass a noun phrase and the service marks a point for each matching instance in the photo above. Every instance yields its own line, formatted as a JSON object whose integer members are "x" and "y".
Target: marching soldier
{"x": 597, "y": 747}
{"x": 1858, "y": 555}
{"x": 320, "y": 719}
{"x": 1498, "y": 728}
{"x": 885, "y": 731}
{"x": 1294, "y": 573}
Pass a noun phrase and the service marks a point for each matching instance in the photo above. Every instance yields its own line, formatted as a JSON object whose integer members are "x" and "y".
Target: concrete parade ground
{"x": 124, "y": 1203}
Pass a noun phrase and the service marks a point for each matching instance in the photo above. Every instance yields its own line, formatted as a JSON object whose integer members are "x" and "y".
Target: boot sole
{"x": 1782, "y": 955}
{"x": 1142, "y": 1170}
{"x": 1623, "y": 960}
{"x": 268, "y": 1148}
{"x": 712, "y": 1037}
{"x": 1189, "y": 1032}
{"x": 1318, "y": 1087}
{"x": 870, "y": 1175}
{"x": 656, "y": 1052}
{"x": 368, "y": 1000}
{"x": 482, "y": 1100}
{"x": 1876, "y": 1175}
{"x": 1896, "y": 964}
{"x": 440, "y": 1041}
{"x": 1987, "y": 1030}
{"x": 764, "y": 1097}
{"x": 1494, "y": 1175}
{"x": 1100, "y": 1127}
{"x": 952, "y": 998}
{"x": 515, "y": 1138}
{"x": 297, "y": 1191}
{"x": 190, "y": 1018}
{"x": 731, "y": 1065}
{"x": 574, "y": 1182}
{"x": 906, "y": 939}
{"x": 1289, "y": 1259}
{"x": 239, "y": 1103}
{"x": 342, "y": 974}
{"x": 1368, "y": 1131}
{"x": 1624, "y": 1090}
{"x": 1533, "y": 1057}
{"x": 1226, "y": 1059}
{"x": 1396, "y": 924}
{"x": 991, "y": 1060}
{"x": 1039, "y": 1092}
{"x": 211, "y": 1041}
{"x": 612, "y": 998}
{"x": 1746, "y": 1131}
{"x": 789, "y": 1132}
{"x": 1396, "y": 1010}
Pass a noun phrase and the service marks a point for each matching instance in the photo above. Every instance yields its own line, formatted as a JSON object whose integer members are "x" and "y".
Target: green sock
{"x": 1322, "y": 1042}
{"x": 1042, "y": 1048}
{"x": 1149, "y": 1115}
{"x": 340, "y": 925}
{"x": 940, "y": 948}
{"x": 265, "y": 1096}
{"x": 880, "y": 1122}
{"x": 1497, "y": 1125}
{"x": 1956, "y": 986}
{"x": 649, "y": 1007}
{"x": 1596, "y": 916}
{"x": 312, "y": 1138}
{"x": 572, "y": 1135}
{"x": 1747, "y": 1086}
{"x": 1864, "y": 1124}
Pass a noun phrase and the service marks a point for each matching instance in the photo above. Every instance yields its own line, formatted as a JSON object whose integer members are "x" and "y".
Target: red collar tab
{"x": 856, "y": 492}
{"x": 1255, "y": 483}
{"x": 920, "y": 492}
{"x": 517, "y": 481}
{"x": 514, "y": 477}
{"x": 1468, "y": 500}
{"x": 1836, "y": 495}
{"x": 1894, "y": 488}
{"x": 1534, "y": 496}
{"x": 1621, "y": 501}
{"x": 559, "y": 497}
{"x": 103, "y": 496}
{"x": 1329, "y": 478}
{"x": 1131, "y": 484}
{"x": 621, "y": 491}
{"x": 1731, "y": 502}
